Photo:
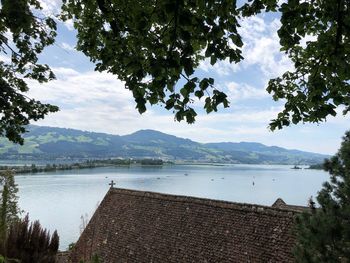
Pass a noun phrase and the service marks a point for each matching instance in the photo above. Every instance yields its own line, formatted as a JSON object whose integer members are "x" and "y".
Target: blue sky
{"x": 94, "y": 101}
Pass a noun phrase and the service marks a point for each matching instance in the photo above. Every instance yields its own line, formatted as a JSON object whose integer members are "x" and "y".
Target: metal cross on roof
{"x": 112, "y": 183}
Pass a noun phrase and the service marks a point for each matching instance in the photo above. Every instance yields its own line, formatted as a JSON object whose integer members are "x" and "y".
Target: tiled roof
{"x": 279, "y": 203}
{"x": 62, "y": 257}
{"x": 137, "y": 226}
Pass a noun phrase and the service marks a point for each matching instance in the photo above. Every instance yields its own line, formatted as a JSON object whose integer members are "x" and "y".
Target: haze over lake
{"x": 59, "y": 199}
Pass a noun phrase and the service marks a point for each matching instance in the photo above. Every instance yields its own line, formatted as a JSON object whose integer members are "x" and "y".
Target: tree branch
{"x": 102, "y": 6}
{"x": 339, "y": 33}
{"x": 175, "y": 25}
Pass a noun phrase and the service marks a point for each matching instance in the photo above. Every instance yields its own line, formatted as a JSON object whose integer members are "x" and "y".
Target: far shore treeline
{"x": 89, "y": 164}
{"x": 98, "y": 163}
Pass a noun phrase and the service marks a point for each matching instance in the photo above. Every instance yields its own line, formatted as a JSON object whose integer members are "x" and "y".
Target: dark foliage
{"x": 29, "y": 242}
{"x": 9, "y": 209}
{"x": 324, "y": 235}
{"x": 151, "y": 162}
{"x": 24, "y": 33}
{"x": 155, "y": 46}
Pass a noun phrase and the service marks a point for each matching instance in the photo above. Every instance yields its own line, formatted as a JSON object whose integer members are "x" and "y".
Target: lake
{"x": 59, "y": 199}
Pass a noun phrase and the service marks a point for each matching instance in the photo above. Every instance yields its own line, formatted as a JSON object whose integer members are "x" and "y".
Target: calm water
{"x": 59, "y": 199}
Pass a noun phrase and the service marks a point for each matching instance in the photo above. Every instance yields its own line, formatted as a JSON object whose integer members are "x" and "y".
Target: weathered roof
{"x": 279, "y": 203}
{"x": 137, "y": 226}
{"x": 62, "y": 257}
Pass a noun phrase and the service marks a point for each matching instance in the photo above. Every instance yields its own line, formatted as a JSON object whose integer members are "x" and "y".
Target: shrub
{"x": 29, "y": 242}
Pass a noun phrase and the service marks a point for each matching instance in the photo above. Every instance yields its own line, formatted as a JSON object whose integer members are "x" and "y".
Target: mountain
{"x": 260, "y": 153}
{"x": 53, "y": 143}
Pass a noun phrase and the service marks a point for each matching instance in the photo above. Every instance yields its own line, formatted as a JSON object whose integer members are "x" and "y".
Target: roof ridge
{"x": 207, "y": 202}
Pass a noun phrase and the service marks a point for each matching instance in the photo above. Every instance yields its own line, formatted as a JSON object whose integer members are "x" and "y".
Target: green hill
{"x": 47, "y": 143}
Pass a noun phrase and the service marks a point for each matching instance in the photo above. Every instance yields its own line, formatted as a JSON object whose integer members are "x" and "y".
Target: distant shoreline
{"x": 91, "y": 164}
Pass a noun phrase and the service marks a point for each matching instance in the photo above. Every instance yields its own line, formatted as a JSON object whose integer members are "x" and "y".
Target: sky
{"x": 98, "y": 102}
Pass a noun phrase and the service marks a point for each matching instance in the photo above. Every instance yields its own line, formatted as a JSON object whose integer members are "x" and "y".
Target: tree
{"x": 320, "y": 82}
{"x": 24, "y": 33}
{"x": 21, "y": 241}
{"x": 152, "y": 44}
{"x": 9, "y": 210}
{"x": 29, "y": 243}
{"x": 324, "y": 234}
{"x": 155, "y": 46}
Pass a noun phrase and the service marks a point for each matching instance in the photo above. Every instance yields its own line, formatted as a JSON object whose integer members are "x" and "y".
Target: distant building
{"x": 137, "y": 226}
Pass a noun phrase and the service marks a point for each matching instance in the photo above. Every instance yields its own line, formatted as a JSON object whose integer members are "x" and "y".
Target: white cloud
{"x": 306, "y": 39}
{"x": 64, "y": 73}
{"x": 51, "y": 7}
{"x": 69, "y": 24}
{"x": 67, "y": 47}
{"x": 99, "y": 102}
{"x": 254, "y": 25}
{"x": 222, "y": 68}
{"x": 241, "y": 91}
{"x": 77, "y": 89}
{"x": 261, "y": 48}
{"x": 5, "y": 58}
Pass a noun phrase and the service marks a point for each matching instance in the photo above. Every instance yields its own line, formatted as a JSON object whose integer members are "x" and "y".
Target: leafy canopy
{"x": 23, "y": 35}
{"x": 153, "y": 44}
{"x": 324, "y": 235}
{"x": 320, "y": 82}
